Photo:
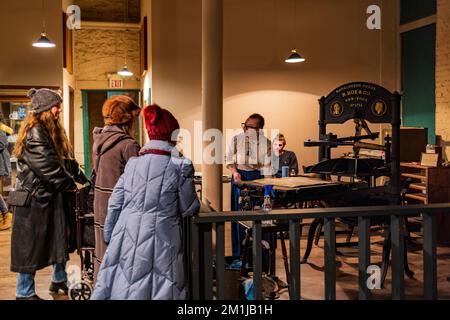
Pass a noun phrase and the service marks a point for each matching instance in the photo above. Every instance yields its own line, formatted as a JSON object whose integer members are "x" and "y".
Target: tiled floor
{"x": 312, "y": 276}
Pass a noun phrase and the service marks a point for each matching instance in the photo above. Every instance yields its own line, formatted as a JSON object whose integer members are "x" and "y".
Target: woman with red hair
{"x": 144, "y": 260}
{"x": 113, "y": 146}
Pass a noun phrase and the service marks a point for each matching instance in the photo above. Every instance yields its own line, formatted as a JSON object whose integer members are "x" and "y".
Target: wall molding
{"x": 96, "y": 25}
{"x": 417, "y": 24}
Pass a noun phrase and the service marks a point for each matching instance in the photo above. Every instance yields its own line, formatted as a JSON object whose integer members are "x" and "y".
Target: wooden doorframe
{"x": 71, "y": 116}
{"x": 86, "y": 133}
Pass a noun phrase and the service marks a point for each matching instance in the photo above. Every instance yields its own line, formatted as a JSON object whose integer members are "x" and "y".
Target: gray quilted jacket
{"x": 144, "y": 259}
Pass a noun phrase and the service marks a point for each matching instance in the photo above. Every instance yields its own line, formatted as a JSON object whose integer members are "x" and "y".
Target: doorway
{"x": 92, "y": 117}
{"x": 418, "y": 79}
{"x": 418, "y": 63}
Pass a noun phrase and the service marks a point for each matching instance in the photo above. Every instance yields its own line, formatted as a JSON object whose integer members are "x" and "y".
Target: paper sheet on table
{"x": 292, "y": 182}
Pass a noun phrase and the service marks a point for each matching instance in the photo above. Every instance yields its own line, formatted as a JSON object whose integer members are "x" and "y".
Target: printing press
{"x": 352, "y": 179}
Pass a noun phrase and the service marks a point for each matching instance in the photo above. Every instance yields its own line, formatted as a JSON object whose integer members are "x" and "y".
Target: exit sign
{"x": 115, "y": 83}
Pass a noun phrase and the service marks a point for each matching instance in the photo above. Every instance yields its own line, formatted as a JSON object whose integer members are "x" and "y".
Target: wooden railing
{"x": 200, "y": 260}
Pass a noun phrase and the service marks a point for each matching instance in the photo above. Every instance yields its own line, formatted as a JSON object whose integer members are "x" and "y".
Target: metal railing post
{"x": 398, "y": 257}
{"x": 206, "y": 270}
{"x": 257, "y": 261}
{"x": 196, "y": 260}
{"x": 330, "y": 258}
{"x": 187, "y": 256}
{"x": 294, "y": 257}
{"x": 220, "y": 260}
{"x": 363, "y": 256}
{"x": 429, "y": 257}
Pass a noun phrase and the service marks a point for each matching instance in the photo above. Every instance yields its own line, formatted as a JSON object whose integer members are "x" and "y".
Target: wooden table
{"x": 299, "y": 189}
{"x": 294, "y": 191}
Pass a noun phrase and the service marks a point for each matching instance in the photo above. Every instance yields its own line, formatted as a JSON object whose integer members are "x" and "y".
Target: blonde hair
{"x": 54, "y": 128}
{"x": 280, "y": 137}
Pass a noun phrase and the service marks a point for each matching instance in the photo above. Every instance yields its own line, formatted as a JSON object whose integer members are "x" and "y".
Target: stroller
{"x": 82, "y": 286}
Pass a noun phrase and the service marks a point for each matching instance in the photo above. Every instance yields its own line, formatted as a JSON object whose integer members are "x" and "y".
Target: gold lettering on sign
{"x": 356, "y": 93}
{"x": 357, "y": 86}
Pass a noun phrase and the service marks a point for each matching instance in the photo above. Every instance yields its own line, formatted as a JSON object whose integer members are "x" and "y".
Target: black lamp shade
{"x": 43, "y": 42}
{"x": 294, "y": 57}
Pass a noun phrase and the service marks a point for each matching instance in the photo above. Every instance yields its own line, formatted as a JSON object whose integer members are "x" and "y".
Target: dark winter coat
{"x": 40, "y": 231}
{"x": 5, "y": 161}
{"x": 115, "y": 148}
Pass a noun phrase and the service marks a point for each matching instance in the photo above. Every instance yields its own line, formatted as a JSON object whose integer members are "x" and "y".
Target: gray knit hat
{"x": 43, "y": 99}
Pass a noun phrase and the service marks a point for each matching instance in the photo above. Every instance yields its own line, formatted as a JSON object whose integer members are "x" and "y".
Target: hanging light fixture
{"x": 43, "y": 41}
{"x": 124, "y": 72}
{"x": 295, "y": 57}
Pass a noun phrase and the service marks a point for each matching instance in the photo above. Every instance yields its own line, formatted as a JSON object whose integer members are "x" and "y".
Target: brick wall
{"x": 443, "y": 73}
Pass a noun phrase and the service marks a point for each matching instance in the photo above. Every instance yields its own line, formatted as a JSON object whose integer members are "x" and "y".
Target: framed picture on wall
{"x": 144, "y": 48}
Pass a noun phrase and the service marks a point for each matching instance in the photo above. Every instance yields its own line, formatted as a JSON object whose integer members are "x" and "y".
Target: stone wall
{"x": 99, "y": 52}
{"x": 443, "y": 73}
{"x": 109, "y": 10}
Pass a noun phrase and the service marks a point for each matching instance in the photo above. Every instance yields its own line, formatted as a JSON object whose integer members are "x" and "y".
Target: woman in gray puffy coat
{"x": 144, "y": 259}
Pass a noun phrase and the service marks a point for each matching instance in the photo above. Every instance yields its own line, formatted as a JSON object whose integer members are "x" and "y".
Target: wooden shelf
{"x": 413, "y": 165}
{"x": 433, "y": 186}
{"x": 414, "y": 176}
{"x": 418, "y": 186}
{"x": 417, "y": 196}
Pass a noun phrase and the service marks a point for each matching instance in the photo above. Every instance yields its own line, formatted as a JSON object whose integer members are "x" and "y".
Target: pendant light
{"x": 295, "y": 57}
{"x": 43, "y": 41}
{"x": 124, "y": 72}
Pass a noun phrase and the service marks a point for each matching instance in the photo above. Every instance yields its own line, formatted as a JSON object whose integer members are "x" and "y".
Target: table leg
{"x": 408, "y": 271}
{"x": 311, "y": 233}
{"x": 285, "y": 259}
{"x": 273, "y": 253}
{"x": 244, "y": 255}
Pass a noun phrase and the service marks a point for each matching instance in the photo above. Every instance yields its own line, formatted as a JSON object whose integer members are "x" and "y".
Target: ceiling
{"x": 109, "y": 10}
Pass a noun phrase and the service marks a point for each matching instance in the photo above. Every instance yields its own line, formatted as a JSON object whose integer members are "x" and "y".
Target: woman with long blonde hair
{"x": 40, "y": 236}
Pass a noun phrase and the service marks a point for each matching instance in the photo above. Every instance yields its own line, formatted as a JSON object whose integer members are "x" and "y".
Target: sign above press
{"x": 359, "y": 100}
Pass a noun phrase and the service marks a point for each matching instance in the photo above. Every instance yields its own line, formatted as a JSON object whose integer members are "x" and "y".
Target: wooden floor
{"x": 312, "y": 277}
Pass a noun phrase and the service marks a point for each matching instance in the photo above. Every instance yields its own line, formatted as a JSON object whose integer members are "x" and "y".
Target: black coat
{"x": 74, "y": 169}
{"x": 41, "y": 231}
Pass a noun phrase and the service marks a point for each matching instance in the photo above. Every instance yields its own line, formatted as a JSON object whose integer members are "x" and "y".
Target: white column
{"x": 212, "y": 95}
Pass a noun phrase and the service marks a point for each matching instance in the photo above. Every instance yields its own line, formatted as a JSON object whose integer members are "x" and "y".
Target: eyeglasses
{"x": 245, "y": 127}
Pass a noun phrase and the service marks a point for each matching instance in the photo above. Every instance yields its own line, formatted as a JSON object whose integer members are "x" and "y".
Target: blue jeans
{"x": 25, "y": 281}
{"x": 238, "y": 231}
{"x": 3, "y": 206}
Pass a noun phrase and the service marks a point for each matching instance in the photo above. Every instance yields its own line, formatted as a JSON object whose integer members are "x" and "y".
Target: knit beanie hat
{"x": 43, "y": 99}
{"x": 160, "y": 123}
{"x": 119, "y": 110}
